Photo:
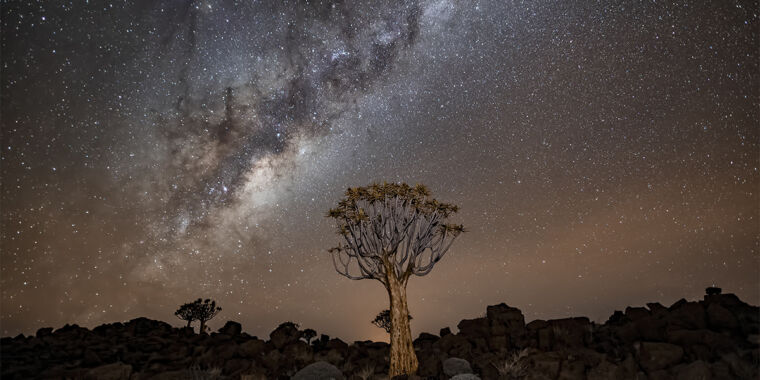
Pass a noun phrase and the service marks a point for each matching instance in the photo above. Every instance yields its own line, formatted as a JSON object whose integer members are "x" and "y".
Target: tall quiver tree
{"x": 389, "y": 233}
{"x": 204, "y": 311}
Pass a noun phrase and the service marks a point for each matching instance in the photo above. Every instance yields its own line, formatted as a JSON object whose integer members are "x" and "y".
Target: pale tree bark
{"x": 403, "y": 358}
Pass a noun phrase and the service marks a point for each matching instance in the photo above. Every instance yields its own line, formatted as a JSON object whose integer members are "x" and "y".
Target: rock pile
{"x": 716, "y": 338}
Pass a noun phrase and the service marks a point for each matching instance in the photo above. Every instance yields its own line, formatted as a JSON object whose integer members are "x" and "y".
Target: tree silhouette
{"x": 389, "y": 233}
{"x": 309, "y": 334}
{"x": 186, "y": 313}
{"x": 201, "y": 310}
{"x": 383, "y": 320}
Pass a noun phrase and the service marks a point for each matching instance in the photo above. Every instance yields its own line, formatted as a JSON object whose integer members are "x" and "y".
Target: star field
{"x": 603, "y": 154}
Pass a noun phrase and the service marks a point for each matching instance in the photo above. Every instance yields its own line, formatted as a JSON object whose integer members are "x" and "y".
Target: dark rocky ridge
{"x": 716, "y": 338}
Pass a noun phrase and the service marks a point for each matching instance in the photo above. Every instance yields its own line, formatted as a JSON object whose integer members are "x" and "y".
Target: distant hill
{"x": 716, "y": 338}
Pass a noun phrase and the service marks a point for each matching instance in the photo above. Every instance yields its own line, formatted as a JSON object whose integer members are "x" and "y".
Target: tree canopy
{"x": 395, "y": 221}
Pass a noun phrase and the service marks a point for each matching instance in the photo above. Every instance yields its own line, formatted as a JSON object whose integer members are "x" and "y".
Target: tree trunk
{"x": 403, "y": 358}
{"x": 188, "y": 323}
{"x": 203, "y": 327}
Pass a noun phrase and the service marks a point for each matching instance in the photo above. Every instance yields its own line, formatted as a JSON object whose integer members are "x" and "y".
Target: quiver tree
{"x": 186, "y": 313}
{"x": 383, "y": 320}
{"x": 389, "y": 233}
{"x": 201, "y": 310}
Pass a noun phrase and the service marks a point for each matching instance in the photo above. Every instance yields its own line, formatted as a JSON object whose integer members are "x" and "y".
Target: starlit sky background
{"x": 603, "y": 154}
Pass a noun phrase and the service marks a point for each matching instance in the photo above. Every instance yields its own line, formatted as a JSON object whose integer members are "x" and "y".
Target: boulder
{"x": 720, "y": 318}
{"x": 742, "y": 369}
{"x": 655, "y": 356}
{"x": 285, "y": 334}
{"x": 300, "y": 352}
{"x": 634, "y": 313}
{"x": 43, "y": 332}
{"x": 456, "y": 366}
{"x": 425, "y": 341}
{"x": 571, "y": 332}
{"x": 697, "y": 370}
{"x": 454, "y": 345}
{"x": 503, "y": 315}
{"x": 474, "y": 328}
{"x": 252, "y": 348}
{"x": 687, "y": 315}
{"x": 655, "y": 308}
{"x": 231, "y": 328}
{"x": 319, "y": 371}
{"x": 651, "y": 328}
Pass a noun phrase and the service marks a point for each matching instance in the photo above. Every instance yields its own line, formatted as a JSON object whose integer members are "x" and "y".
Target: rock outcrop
{"x": 716, "y": 338}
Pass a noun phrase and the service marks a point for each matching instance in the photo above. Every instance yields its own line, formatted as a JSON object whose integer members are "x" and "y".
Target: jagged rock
{"x": 456, "y": 366}
{"x": 285, "y": 334}
{"x": 503, "y": 315}
{"x": 617, "y": 318}
{"x": 474, "y": 328}
{"x": 319, "y": 371}
{"x": 231, "y": 328}
{"x": 113, "y": 371}
{"x": 454, "y": 345}
{"x": 687, "y": 315}
{"x": 720, "y": 318}
{"x": 43, "y": 332}
{"x": 536, "y": 325}
{"x": 425, "y": 341}
{"x": 654, "y": 356}
{"x": 571, "y": 332}
{"x": 634, "y": 313}
{"x": 444, "y": 331}
{"x": 655, "y": 308}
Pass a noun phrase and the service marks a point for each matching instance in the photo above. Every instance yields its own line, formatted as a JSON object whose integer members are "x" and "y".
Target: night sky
{"x": 603, "y": 154}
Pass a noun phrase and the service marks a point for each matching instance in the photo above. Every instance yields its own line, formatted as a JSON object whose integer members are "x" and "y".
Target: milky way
{"x": 155, "y": 152}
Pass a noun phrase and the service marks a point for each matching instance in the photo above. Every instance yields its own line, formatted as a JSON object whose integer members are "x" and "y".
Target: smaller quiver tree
{"x": 185, "y": 313}
{"x": 383, "y": 320}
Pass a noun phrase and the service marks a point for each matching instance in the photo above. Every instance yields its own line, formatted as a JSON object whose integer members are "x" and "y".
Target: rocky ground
{"x": 716, "y": 338}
